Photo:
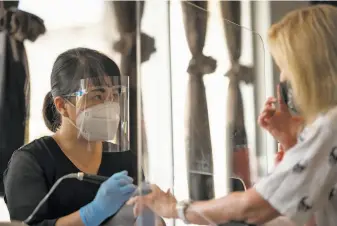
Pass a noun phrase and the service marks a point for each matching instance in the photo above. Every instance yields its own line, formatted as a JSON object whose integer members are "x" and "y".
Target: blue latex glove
{"x": 110, "y": 197}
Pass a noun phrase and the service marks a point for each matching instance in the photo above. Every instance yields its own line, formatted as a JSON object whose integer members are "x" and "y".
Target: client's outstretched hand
{"x": 161, "y": 203}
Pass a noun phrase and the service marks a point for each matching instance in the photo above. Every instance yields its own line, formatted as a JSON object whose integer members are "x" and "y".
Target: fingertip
{"x": 122, "y": 182}
{"x": 128, "y": 189}
{"x": 124, "y": 179}
{"x": 270, "y": 100}
{"x": 131, "y": 201}
{"x": 120, "y": 174}
{"x": 130, "y": 179}
{"x": 125, "y": 172}
{"x": 273, "y": 99}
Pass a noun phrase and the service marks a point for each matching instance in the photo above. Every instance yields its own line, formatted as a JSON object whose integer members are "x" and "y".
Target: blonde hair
{"x": 305, "y": 41}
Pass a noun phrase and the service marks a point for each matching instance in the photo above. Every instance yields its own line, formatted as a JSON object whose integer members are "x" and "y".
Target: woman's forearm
{"x": 73, "y": 219}
{"x": 238, "y": 206}
{"x": 217, "y": 210}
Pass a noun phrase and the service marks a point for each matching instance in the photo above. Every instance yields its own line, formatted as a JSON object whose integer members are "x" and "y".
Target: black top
{"x": 34, "y": 168}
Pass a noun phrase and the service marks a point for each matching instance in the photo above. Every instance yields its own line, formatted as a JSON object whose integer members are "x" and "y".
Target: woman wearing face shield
{"x": 83, "y": 109}
{"x": 304, "y": 183}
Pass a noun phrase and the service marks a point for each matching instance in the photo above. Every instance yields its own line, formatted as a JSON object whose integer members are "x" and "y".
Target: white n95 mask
{"x": 100, "y": 122}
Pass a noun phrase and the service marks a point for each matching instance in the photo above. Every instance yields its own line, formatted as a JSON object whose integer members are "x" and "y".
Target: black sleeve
{"x": 25, "y": 187}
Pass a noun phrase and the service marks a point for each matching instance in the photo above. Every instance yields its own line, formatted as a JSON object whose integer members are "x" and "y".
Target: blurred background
{"x": 198, "y": 124}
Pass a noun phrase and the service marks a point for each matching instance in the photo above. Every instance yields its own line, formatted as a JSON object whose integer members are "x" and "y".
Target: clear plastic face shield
{"x": 101, "y": 109}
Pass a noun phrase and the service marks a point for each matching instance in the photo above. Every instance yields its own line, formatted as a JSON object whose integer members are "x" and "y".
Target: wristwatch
{"x": 181, "y": 208}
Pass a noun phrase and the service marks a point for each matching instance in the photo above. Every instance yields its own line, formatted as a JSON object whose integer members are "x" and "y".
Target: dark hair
{"x": 69, "y": 68}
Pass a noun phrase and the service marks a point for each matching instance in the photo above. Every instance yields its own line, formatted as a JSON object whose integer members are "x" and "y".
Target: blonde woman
{"x": 304, "y": 46}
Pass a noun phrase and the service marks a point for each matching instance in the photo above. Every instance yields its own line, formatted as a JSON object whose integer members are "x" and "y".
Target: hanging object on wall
{"x": 198, "y": 138}
{"x": 17, "y": 26}
{"x": 235, "y": 128}
{"x": 126, "y": 19}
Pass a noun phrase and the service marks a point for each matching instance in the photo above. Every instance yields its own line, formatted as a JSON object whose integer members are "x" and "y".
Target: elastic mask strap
{"x": 71, "y": 122}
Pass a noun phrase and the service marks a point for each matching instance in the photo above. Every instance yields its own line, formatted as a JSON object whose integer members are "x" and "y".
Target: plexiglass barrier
{"x": 195, "y": 80}
{"x": 199, "y": 94}
{"x": 189, "y": 108}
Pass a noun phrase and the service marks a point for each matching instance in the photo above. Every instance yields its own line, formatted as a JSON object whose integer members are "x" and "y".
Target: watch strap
{"x": 181, "y": 210}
